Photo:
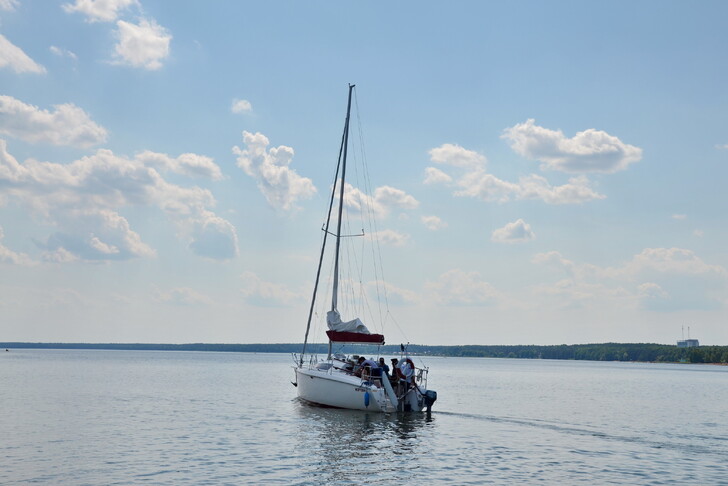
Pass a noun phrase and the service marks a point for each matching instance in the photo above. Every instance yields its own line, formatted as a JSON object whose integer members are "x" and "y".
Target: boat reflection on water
{"x": 345, "y": 445}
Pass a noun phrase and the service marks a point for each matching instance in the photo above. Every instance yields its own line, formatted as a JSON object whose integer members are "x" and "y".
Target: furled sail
{"x": 353, "y": 331}
{"x": 333, "y": 319}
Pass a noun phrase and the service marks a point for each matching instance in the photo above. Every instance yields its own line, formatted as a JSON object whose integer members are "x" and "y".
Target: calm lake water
{"x": 135, "y": 417}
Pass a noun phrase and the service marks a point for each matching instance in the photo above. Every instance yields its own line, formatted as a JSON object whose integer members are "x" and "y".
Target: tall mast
{"x": 344, "y": 143}
{"x": 341, "y": 203}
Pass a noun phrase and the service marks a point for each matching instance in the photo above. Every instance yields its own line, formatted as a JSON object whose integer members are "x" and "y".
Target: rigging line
{"x": 372, "y": 223}
{"x": 364, "y": 307}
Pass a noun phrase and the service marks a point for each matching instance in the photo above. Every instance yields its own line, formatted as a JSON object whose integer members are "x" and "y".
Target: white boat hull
{"x": 341, "y": 390}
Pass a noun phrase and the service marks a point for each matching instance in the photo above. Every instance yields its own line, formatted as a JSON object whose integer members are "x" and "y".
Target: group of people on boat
{"x": 402, "y": 375}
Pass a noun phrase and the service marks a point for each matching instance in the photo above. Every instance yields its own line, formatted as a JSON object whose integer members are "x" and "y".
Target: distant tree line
{"x": 661, "y": 353}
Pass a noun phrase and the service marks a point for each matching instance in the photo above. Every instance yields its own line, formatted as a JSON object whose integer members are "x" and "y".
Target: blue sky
{"x": 542, "y": 172}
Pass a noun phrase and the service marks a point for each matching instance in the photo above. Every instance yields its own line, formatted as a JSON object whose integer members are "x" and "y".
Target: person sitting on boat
{"x": 368, "y": 368}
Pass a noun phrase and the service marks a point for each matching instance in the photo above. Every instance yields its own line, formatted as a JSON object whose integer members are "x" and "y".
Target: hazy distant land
{"x": 645, "y": 352}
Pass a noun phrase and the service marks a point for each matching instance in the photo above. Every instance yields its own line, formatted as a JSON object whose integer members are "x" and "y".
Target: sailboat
{"x": 339, "y": 381}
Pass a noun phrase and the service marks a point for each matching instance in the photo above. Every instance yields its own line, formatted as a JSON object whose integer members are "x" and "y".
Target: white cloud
{"x": 456, "y": 156}
{"x": 83, "y": 200}
{"x": 516, "y": 232}
{"x": 679, "y": 217}
{"x": 679, "y": 277}
{"x": 214, "y": 237}
{"x": 192, "y": 165}
{"x": 457, "y": 287}
{"x": 96, "y": 235}
{"x": 487, "y": 187}
{"x": 241, "y": 106}
{"x": 9, "y": 5}
{"x": 390, "y": 237}
{"x": 436, "y": 176}
{"x": 384, "y": 200}
{"x": 433, "y": 223}
{"x": 281, "y": 185}
{"x": 588, "y": 151}
{"x": 651, "y": 290}
{"x": 183, "y": 296}
{"x": 66, "y": 125}
{"x": 394, "y": 295}
{"x": 99, "y": 10}
{"x": 8, "y": 256}
{"x": 260, "y": 292}
{"x": 722, "y": 146}
{"x": 60, "y": 255}
{"x": 13, "y": 57}
{"x": 391, "y": 197}
{"x": 475, "y": 181}
{"x": 144, "y": 45}
{"x": 61, "y": 52}
{"x": 698, "y": 233}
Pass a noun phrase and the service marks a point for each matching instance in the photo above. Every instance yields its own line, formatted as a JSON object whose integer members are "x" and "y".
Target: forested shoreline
{"x": 645, "y": 352}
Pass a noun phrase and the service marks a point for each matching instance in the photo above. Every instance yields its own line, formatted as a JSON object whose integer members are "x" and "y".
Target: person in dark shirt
{"x": 384, "y": 367}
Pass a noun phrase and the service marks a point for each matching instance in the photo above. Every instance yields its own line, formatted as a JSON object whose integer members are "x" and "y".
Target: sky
{"x": 541, "y": 172}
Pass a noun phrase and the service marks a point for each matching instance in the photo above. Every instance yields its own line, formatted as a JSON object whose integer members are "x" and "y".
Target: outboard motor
{"x": 430, "y": 398}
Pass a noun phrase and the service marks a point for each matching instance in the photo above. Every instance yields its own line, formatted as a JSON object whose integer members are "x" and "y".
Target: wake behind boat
{"x": 352, "y": 382}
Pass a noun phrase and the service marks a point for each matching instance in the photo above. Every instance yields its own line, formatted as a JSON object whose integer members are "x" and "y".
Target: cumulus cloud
{"x": 8, "y": 256}
{"x": 262, "y": 293}
{"x": 457, "y": 287}
{"x": 192, "y": 165}
{"x": 475, "y": 181}
{"x": 99, "y": 10}
{"x": 13, "y": 57}
{"x": 9, "y": 5}
{"x": 96, "y": 235}
{"x": 433, "y": 223}
{"x": 281, "y": 185}
{"x": 384, "y": 200}
{"x": 83, "y": 200}
{"x": 516, "y": 232}
{"x": 436, "y": 176}
{"x": 457, "y": 156}
{"x": 61, "y": 52}
{"x": 651, "y": 290}
{"x": 723, "y": 146}
{"x": 677, "y": 276}
{"x": 67, "y": 124}
{"x": 390, "y": 237}
{"x": 241, "y": 106}
{"x": 214, "y": 237}
{"x": 144, "y": 45}
{"x": 183, "y": 296}
{"x": 391, "y": 197}
{"x": 588, "y": 151}
{"x": 482, "y": 185}
{"x": 394, "y": 295}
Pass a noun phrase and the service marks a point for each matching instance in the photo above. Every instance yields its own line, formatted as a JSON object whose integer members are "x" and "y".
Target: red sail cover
{"x": 354, "y": 337}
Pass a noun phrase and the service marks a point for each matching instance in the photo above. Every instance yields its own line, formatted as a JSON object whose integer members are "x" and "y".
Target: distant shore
{"x": 642, "y": 352}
